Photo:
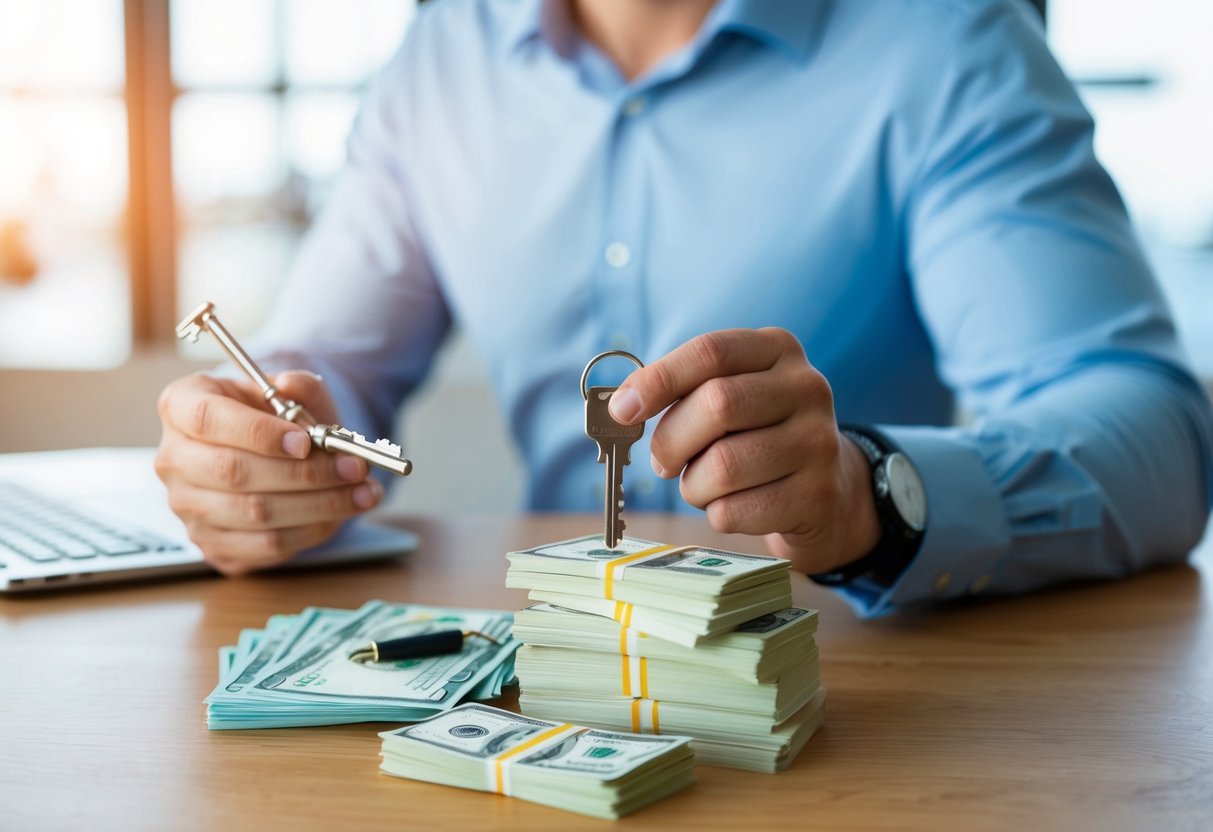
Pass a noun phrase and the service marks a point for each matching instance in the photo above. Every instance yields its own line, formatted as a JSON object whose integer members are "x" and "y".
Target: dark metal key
{"x": 615, "y": 443}
{"x": 615, "y": 451}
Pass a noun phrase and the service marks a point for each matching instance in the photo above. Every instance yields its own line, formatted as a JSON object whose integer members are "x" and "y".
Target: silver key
{"x": 615, "y": 443}
{"x": 331, "y": 438}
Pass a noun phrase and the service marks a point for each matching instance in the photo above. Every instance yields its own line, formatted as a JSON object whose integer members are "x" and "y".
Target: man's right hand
{"x": 244, "y": 481}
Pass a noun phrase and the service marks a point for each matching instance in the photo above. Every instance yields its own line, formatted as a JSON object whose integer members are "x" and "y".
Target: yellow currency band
{"x": 623, "y": 614}
{"x": 608, "y": 577}
{"x": 499, "y": 760}
{"x": 643, "y": 673}
{"x": 624, "y": 611}
{"x": 637, "y": 704}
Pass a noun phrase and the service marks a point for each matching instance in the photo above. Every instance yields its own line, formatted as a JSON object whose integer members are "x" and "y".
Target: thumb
{"x": 308, "y": 389}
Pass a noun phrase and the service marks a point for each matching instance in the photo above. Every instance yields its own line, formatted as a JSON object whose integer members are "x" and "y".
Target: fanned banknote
{"x": 298, "y": 669}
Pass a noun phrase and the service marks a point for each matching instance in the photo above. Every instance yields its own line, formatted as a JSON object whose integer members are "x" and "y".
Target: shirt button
{"x": 618, "y": 255}
{"x": 619, "y": 342}
{"x": 942, "y": 582}
{"x": 980, "y": 584}
{"x": 635, "y": 106}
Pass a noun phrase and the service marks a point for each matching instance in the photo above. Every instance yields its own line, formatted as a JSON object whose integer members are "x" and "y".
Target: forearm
{"x": 1099, "y": 474}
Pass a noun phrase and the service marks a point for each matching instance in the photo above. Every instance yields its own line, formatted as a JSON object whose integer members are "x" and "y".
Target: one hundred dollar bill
{"x": 694, "y": 570}
{"x": 594, "y": 772}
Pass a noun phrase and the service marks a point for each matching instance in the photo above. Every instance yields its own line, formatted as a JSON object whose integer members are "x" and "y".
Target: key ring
{"x": 585, "y": 393}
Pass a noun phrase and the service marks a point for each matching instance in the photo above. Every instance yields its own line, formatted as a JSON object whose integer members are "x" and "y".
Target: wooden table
{"x": 1084, "y": 708}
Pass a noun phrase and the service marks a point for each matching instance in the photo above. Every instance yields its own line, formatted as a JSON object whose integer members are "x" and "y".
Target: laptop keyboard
{"x": 39, "y": 529}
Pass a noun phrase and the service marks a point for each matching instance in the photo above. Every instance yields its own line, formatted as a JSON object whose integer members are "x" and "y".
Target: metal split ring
{"x": 585, "y": 392}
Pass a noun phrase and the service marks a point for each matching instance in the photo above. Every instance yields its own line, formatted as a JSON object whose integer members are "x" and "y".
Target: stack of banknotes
{"x": 604, "y": 774}
{"x": 298, "y": 670}
{"x": 632, "y": 639}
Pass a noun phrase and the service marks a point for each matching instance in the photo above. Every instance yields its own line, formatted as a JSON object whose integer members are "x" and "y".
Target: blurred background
{"x": 158, "y": 153}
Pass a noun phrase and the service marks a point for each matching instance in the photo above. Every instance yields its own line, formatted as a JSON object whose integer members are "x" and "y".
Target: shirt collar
{"x": 536, "y": 19}
{"x": 788, "y": 24}
{"x": 792, "y": 25}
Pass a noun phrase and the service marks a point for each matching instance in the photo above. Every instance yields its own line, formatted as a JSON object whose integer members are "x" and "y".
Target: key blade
{"x": 334, "y": 438}
{"x": 614, "y": 451}
{"x": 612, "y": 534}
{"x": 613, "y": 501}
{"x": 383, "y": 446}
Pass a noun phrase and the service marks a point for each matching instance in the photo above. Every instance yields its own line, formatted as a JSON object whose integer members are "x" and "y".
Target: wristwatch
{"x": 901, "y": 508}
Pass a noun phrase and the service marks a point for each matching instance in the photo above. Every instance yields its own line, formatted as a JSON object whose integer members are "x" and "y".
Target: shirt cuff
{"x": 966, "y": 533}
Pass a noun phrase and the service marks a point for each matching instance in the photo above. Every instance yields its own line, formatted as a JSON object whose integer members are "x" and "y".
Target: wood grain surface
{"x": 1088, "y": 707}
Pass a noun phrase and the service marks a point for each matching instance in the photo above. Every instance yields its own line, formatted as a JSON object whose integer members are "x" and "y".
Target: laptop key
{"x": 28, "y": 548}
{"x": 114, "y": 546}
{"x": 76, "y": 549}
{"x": 67, "y": 545}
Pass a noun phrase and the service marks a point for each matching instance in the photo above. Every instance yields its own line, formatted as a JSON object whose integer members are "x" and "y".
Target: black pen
{"x": 416, "y": 647}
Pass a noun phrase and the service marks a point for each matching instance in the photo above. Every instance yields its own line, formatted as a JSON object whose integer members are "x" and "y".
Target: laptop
{"x": 98, "y": 515}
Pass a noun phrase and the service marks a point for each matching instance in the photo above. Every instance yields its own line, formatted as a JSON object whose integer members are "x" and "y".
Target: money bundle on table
{"x": 604, "y": 774}
{"x": 298, "y": 669}
{"x": 633, "y": 640}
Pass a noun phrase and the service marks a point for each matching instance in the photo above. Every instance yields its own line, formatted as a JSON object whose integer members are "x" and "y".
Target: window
{"x": 1143, "y": 69}
{"x": 267, "y": 91}
{"x": 157, "y": 153}
{"x": 64, "y": 286}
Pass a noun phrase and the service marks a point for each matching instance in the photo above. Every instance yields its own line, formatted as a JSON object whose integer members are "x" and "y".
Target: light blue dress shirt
{"x": 908, "y": 186}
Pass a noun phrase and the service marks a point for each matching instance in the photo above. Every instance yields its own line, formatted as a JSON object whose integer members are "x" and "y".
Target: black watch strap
{"x": 896, "y": 547}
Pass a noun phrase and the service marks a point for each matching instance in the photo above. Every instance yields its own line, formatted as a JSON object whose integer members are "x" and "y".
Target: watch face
{"x": 907, "y": 491}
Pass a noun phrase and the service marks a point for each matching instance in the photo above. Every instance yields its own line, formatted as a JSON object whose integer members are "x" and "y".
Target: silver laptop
{"x": 93, "y": 515}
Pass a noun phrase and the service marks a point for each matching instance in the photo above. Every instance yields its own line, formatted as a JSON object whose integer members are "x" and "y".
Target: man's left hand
{"x": 751, "y": 430}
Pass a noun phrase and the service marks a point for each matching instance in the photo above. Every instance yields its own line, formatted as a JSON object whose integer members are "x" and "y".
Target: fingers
{"x": 252, "y": 511}
{"x": 238, "y": 552}
{"x": 719, "y": 407}
{"x": 650, "y": 390}
{"x": 237, "y": 470}
{"x": 244, "y": 481}
{"x": 750, "y": 427}
{"x": 207, "y": 413}
{"x": 762, "y": 510}
{"x": 772, "y": 480}
{"x": 740, "y": 462}
{"x": 309, "y": 390}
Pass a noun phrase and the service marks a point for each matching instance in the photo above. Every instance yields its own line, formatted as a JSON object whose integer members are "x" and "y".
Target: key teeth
{"x": 385, "y": 446}
{"x": 192, "y": 325}
{"x": 382, "y": 445}
{"x": 390, "y": 447}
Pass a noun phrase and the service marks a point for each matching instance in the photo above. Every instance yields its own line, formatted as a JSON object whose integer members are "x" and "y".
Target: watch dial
{"x": 908, "y": 493}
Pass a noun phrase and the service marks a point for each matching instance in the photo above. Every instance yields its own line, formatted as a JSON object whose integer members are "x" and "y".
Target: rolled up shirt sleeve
{"x": 1086, "y": 448}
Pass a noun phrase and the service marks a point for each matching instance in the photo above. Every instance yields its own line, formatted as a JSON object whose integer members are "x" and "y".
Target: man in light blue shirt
{"x": 805, "y": 213}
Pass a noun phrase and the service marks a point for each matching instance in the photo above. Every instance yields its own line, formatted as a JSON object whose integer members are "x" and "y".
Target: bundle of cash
{"x": 300, "y": 669}
{"x": 719, "y": 737}
{"x": 756, "y": 650}
{"x": 682, "y": 594}
{"x": 589, "y": 672}
{"x": 651, "y": 662}
{"x": 603, "y": 774}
